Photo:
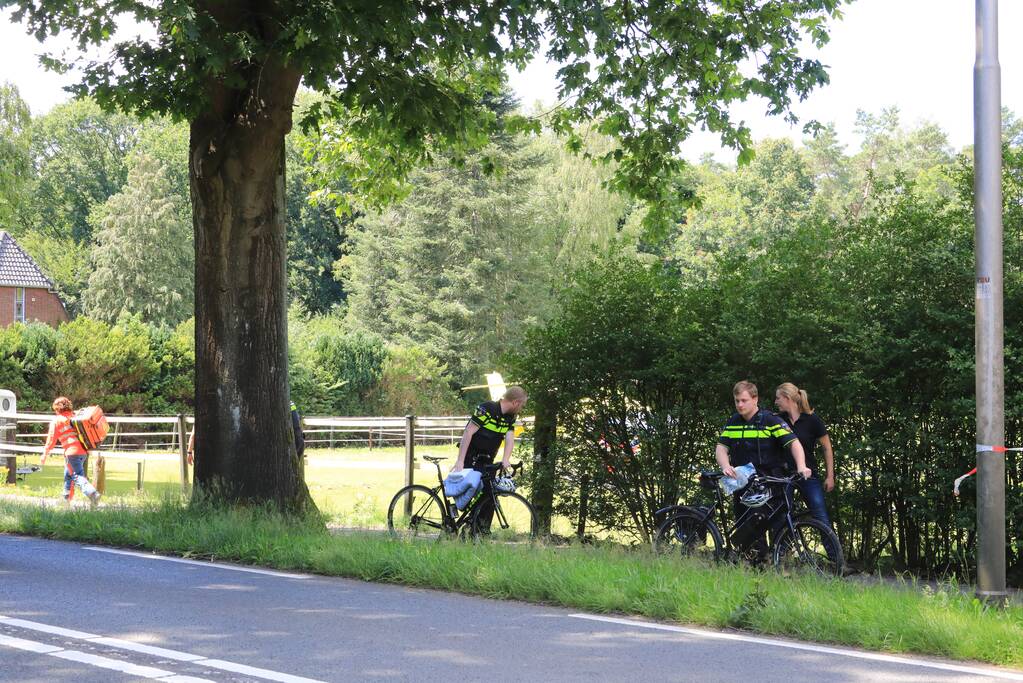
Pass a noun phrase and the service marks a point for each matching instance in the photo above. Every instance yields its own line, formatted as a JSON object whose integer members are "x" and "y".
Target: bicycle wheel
{"x": 512, "y": 521}
{"x": 416, "y": 512}
{"x": 687, "y": 534}
{"x": 814, "y": 548}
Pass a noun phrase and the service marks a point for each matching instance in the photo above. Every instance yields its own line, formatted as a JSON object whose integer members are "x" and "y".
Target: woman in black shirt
{"x": 794, "y": 407}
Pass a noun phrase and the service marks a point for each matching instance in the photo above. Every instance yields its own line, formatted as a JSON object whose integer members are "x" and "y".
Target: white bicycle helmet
{"x": 506, "y": 484}
{"x": 755, "y": 496}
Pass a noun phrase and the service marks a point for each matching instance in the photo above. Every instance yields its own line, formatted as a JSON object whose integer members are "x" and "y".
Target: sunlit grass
{"x": 351, "y": 486}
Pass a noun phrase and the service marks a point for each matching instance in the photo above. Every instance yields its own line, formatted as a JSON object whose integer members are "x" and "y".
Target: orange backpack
{"x": 91, "y": 426}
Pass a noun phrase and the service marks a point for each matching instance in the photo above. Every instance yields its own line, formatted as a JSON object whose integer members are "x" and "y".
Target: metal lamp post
{"x": 987, "y": 135}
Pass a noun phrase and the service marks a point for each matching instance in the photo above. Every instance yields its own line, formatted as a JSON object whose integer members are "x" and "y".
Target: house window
{"x": 19, "y": 305}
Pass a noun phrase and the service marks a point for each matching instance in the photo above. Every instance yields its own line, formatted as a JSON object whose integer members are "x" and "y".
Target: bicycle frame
{"x": 454, "y": 522}
{"x": 728, "y": 528}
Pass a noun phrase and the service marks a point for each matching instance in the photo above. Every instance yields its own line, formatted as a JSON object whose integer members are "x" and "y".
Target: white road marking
{"x": 808, "y": 647}
{"x": 253, "y": 671}
{"x": 30, "y": 645}
{"x": 96, "y": 660}
{"x": 117, "y": 643}
{"x": 46, "y": 628}
{"x": 115, "y": 664}
{"x": 147, "y": 649}
{"x": 199, "y": 563}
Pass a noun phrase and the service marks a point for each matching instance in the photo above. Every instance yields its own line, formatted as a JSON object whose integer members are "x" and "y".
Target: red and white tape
{"x": 981, "y": 448}
{"x": 955, "y": 488}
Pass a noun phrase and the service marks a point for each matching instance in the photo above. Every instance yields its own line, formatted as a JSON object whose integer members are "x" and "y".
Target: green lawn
{"x": 352, "y": 486}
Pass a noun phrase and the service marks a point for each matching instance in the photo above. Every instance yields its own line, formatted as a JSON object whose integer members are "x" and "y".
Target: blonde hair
{"x": 62, "y": 403}
{"x": 515, "y": 393}
{"x": 745, "y": 386}
{"x": 796, "y": 395}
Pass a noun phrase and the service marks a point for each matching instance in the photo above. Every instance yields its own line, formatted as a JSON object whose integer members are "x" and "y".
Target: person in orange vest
{"x": 75, "y": 452}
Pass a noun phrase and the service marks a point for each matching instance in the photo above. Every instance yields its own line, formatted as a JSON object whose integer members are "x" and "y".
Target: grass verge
{"x": 944, "y": 623}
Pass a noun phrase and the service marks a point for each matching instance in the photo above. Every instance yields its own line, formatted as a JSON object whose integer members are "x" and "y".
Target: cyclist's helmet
{"x": 504, "y": 484}
{"x": 756, "y": 495}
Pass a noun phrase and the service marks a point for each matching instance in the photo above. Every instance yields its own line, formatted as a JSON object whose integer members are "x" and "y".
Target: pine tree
{"x": 143, "y": 256}
{"x": 451, "y": 268}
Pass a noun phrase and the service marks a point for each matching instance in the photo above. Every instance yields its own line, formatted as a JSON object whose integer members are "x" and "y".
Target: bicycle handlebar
{"x": 792, "y": 479}
{"x": 496, "y": 467}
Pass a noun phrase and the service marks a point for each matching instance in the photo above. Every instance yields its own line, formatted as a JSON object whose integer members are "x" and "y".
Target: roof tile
{"x": 18, "y": 269}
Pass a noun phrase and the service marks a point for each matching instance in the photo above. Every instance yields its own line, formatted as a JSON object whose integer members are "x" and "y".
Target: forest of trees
{"x": 849, "y": 274}
{"x": 844, "y": 270}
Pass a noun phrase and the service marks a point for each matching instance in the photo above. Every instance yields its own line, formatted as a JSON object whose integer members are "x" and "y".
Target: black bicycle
{"x": 496, "y": 513}
{"x": 798, "y": 542}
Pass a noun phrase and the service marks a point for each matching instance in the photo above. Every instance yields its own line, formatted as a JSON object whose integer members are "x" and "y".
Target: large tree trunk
{"x": 245, "y": 450}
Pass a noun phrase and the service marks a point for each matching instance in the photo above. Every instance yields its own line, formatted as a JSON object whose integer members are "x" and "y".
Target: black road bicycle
{"x": 495, "y": 514}
{"x": 798, "y": 543}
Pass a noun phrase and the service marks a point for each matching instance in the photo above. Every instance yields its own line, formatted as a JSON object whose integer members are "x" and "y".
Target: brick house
{"x": 25, "y": 293}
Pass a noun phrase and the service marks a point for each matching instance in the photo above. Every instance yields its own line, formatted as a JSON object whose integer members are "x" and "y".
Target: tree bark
{"x": 545, "y": 431}
{"x": 244, "y": 446}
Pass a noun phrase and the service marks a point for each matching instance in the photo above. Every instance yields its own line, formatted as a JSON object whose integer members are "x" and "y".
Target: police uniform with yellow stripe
{"x": 493, "y": 427}
{"x": 762, "y": 440}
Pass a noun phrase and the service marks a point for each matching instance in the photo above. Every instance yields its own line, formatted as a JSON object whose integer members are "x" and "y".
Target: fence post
{"x": 100, "y": 480}
{"x": 182, "y": 451}
{"x": 101, "y": 474}
{"x": 410, "y": 458}
{"x": 10, "y": 427}
{"x": 138, "y": 478}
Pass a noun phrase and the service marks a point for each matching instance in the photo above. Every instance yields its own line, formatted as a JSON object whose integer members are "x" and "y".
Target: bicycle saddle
{"x": 709, "y": 479}
{"x": 433, "y": 458}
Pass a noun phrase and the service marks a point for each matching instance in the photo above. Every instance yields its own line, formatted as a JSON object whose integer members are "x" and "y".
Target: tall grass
{"x": 597, "y": 579}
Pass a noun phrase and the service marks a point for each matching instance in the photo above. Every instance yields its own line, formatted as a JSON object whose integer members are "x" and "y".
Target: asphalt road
{"x": 70, "y": 612}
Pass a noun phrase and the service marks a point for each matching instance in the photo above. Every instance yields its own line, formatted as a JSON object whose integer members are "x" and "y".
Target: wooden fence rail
{"x": 406, "y": 430}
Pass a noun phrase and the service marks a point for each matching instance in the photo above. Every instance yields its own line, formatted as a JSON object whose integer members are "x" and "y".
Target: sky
{"x": 916, "y": 55}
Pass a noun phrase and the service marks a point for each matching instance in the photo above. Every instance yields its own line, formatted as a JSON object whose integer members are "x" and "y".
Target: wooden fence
{"x": 164, "y": 438}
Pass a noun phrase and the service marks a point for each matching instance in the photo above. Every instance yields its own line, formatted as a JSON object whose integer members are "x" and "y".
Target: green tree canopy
{"x": 402, "y": 79}
{"x": 15, "y": 155}
{"x": 80, "y": 152}
{"x": 142, "y": 259}
{"x": 450, "y": 267}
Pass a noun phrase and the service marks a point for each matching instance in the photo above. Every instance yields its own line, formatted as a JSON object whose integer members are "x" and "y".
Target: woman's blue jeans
{"x": 812, "y": 491}
{"x": 74, "y": 473}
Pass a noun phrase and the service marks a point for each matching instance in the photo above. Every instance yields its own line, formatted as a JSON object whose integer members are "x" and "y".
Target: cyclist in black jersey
{"x": 492, "y": 424}
{"x": 757, "y": 437}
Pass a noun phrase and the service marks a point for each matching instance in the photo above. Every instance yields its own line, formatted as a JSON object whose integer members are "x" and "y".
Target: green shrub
{"x": 25, "y": 350}
{"x": 98, "y": 363}
{"x": 412, "y": 382}
{"x": 627, "y": 362}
